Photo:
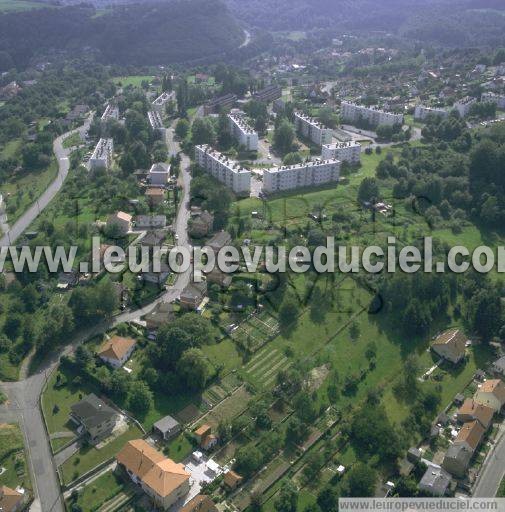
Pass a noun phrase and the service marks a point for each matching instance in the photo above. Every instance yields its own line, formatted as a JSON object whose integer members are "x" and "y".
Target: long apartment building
{"x": 308, "y": 174}
{"x": 269, "y": 93}
{"x": 242, "y": 131}
{"x": 159, "y": 103}
{"x": 155, "y": 120}
{"x": 464, "y": 105}
{"x": 312, "y": 129}
{"x": 227, "y": 171}
{"x": 352, "y": 113}
{"x": 491, "y": 97}
{"x": 421, "y": 112}
{"x": 110, "y": 112}
{"x": 343, "y": 151}
{"x": 223, "y": 102}
{"x": 102, "y": 155}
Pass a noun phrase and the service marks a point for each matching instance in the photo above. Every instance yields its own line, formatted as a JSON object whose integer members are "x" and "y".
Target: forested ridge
{"x": 139, "y": 34}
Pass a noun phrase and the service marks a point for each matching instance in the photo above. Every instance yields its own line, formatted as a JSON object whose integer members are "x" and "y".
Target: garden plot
{"x": 262, "y": 369}
{"x": 255, "y": 332}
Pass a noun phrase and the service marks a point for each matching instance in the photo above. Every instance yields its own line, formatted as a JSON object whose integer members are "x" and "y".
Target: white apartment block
{"x": 343, "y": 151}
{"x": 463, "y": 106}
{"x": 312, "y": 129}
{"x": 223, "y": 169}
{"x": 155, "y": 120}
{"x": 490, "y": 97}
{"x": 162, "y": 100}
{"x": 242, "y": 131}
{"x": 421, "y": 112}
{"x": 308, "y": 174}
{"x": 352, "y": 113}
{"x": 110, "y": 112}
{"x": 102, "y": 155}
{"x": 159, "y": 174}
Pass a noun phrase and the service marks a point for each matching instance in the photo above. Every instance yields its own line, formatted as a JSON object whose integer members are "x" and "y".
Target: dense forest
{"x": 147, "y": 34}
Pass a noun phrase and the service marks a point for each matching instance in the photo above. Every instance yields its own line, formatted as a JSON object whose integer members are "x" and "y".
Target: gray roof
{"x": 436, "y": 480}
{"x": 194, "y": 290}
{"x": 500, "y": 364}
{"x": 166, "y": 424}
{"x": 459, "y": 453}
{"x": 219, "y": 240}
{"x": 92, "y": 411}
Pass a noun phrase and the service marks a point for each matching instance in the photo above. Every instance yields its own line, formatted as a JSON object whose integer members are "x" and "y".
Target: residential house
{"x": 157, "y": 276}
{"x": 450, "y": 345}
{"x": 161, "y": 314}
{"x": 200, "y": 223}
{"x": 117, "y": 350}
{"x": 95, "y": 417}
{"x": 435, "y": 481}
{"x": 232, "y": 480}
{"x": 163, "y": 480}
{"x": 205, "y": 438}
{"x": 457, "y": 459}
{"x": 122, "y": 220}
{"x": 193, "y": 295}
{"x": 167, "y": 427}
{"x": 471, "y": 410}
{"x": 155, "y": 195}
{"x": 219, "y": 240}
{"x": 215, "y": 276}
{"x": 153, "y": 238}
{"x": 499, "y": 366}
{"x": 159, "y": 174}
{"x": 200, "y": 503}
{"x": 68, "y": 280}
{"x": 492, "y": 394}
{"x": 150, "y": 221}
{"x": 11, "y": 500}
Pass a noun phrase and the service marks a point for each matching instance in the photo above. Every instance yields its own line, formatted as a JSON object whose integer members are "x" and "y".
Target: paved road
{"x": 63, "y": 166}
{"x": 493, "y": 470}
{"x": 22, "y": 406}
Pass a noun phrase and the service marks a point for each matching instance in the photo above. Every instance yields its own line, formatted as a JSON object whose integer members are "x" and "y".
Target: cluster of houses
{"x": 470, "y": 423}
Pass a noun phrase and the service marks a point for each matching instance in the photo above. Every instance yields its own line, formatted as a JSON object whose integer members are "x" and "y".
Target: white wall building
{"x": 155, "y": 121}
{"x": 159, "y": 174}
{"x": 102, "y": 155}
{"x": 308, "y": 174}
{"x": 110, "y": 112}
{"x": 223, "y": 169}
{"x": 343, "y": 151}
{"x": 242, "y": 131}
{"x": 490, "y": 97}
{"x": 351, "y": 113}
{"x": 463, "y": 105}
{"x": 421, "y": 112}
{"x": 311, "y": 129}
{"x": 160, "y": 102}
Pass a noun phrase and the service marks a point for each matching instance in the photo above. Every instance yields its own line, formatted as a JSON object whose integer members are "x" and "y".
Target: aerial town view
{"x": 251, "y": 255}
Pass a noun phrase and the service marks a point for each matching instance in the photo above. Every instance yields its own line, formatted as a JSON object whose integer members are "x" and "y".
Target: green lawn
{"x": 12, "y": 457}
{"x": 101, "y": 490}
{"x": 72, "y": 140}
{"x": 11, "y": 147}
{"x": 88, "y": 457}
{"x": 179, "y": 448}
{"x": 135, "y": 80}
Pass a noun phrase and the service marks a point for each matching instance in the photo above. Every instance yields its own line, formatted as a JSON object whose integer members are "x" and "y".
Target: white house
{"x": 159, "y": 174}
{"x": 492, "y": 394}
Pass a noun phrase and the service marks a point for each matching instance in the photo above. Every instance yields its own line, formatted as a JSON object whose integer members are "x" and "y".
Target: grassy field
{"x": 11, "y": 148}
{"x": 135, "y": 80}
{"x": 101, "y": 490}
{"x": 12, "y": 457}
{"x": 88, "y": 457}
{"x": 20, "y": 5}
{"x": 72, "y": 140}
{"x": 179, "y": 448}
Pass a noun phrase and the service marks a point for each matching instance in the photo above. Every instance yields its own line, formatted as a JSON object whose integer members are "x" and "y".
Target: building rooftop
{"x": 436, "y": 480}
{"x": 166, "y": 424}
{"x": 92, "y": 411}
{"x": 116, "y": 348}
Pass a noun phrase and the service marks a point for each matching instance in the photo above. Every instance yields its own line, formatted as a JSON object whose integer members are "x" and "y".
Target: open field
{"x": 135, "y": 80}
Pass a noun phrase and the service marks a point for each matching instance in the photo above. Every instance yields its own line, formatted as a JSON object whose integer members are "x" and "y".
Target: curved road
{"x": 22, "y": 406}
{"x": 63, "y": 166}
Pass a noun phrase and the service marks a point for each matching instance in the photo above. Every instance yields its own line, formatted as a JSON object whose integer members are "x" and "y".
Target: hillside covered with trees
{"x": 140, "y": 34}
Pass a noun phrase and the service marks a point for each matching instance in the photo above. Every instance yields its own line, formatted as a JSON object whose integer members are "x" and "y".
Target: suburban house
{"x": 232, "y": 480}
{"x": 492, "y": 394}
{"x": 457, "y": 459}
{"x": 122, "y": 220}
{"x": 193, "y": 295}
{"x": 219, "y": 240}
{"x": 11, "y": 500}
{"x": 155, "y": 195}
{"x": 167, "y": 427}
{"x": 158, "y": 276}
{"x": 117, "y": 350}
{"x": 435, "y": 481}
{"x": 471, "y": 410}
{"x": 217, "y": 277}
{"x": 499, "y": 366}
{"x": 95, "y": 417}
{"x": 200, "y": 503}
{"x": 161, "y": 314}
{"x": 153, "y": 238}
{"x": 206, "y": 439}
{"x": 450, "y": 345}
{"x": 163, "y": 480}
{"x": 150, "y": 221}
{"x": 159, "y": 174}
{"x": 200, "y": 222}
{"x": 471, "y": 434}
